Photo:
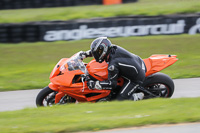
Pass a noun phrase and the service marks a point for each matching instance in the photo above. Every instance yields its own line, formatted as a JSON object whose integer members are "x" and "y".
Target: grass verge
{"x": 143, "y": 7}
{"x": 99, "y": 116}
{"x": 28, "y": 65}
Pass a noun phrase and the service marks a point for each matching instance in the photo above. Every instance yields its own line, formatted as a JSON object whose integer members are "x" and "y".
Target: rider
{"x": 120, "y": 63}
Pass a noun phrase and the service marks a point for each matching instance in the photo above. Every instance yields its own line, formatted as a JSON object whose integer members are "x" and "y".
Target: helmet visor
{"x": 97, "y": 54}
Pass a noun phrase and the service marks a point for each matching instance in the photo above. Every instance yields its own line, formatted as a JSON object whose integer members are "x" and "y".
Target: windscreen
{"x": 75, "y": 63}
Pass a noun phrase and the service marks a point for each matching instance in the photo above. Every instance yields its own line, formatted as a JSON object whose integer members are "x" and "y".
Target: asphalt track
{"x": 15, "y": 100}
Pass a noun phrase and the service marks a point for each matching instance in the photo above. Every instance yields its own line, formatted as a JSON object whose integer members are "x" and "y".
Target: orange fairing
{"x": 62, "y": 76}
{"x": 156, "y": 63}
{"x": 98, "y": 70}
{"x": 56, "y": 69}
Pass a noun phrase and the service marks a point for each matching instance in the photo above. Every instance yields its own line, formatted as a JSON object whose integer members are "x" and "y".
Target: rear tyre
{"x": 160, "y": 85}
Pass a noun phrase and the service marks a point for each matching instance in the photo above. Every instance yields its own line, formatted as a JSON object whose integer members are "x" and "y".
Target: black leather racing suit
{"x": 123, "y": 63}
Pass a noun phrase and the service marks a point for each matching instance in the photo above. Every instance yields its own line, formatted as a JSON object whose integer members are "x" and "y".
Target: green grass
{"x": 28, "y": 65}
{"x": 143, "y": 7}
{"x": 98, "y": 116}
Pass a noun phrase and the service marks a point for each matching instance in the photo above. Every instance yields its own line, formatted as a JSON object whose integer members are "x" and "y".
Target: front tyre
{"x": 46, "y": 97}
{"x": 160, "y": 85}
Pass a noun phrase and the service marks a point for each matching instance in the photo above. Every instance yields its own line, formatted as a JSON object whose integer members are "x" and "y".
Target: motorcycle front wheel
{"x": 46, "y": 97}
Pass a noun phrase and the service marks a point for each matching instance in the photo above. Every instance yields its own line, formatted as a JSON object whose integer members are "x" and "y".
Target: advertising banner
{"x": 124, "y": 27}
{"x": 92, "y": 28}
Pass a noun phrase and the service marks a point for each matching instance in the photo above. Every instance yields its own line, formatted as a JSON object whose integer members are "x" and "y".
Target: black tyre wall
{"x": 19, "y": 4}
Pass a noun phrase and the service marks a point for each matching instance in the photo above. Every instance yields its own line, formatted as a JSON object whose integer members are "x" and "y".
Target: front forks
{"x": 59, "y": 97}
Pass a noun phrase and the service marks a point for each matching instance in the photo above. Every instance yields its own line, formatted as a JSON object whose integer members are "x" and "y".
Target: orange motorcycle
{"x": 68, "y": 81}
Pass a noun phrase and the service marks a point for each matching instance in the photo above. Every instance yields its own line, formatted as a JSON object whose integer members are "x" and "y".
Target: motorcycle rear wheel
{"x": 160, "y": 85}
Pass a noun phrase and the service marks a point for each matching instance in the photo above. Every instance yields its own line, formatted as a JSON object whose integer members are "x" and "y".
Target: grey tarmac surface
{"x": 15, "y": 100}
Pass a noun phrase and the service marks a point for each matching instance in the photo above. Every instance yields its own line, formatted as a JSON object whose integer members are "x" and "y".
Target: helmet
{"x": 100, "y": 48}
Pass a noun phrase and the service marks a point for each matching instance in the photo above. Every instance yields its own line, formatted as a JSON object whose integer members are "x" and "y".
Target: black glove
{"x": 94, "y": 85}
{"x": 85, "y": 78}
{"x": 91, "y": 84}
{"x": 83, "y": 55}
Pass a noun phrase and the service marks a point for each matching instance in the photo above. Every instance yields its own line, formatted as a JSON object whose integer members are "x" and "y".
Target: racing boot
{"x": 137, "y": 96}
